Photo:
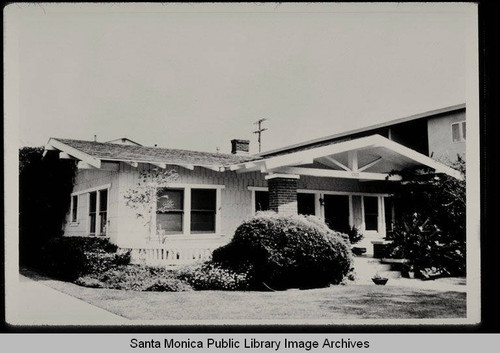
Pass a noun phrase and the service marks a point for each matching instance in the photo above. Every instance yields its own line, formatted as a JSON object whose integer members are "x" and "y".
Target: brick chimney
{"x": 240, "y": 146}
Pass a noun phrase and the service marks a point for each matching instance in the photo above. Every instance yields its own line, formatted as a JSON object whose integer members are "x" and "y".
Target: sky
{"x": 196, "y": 76}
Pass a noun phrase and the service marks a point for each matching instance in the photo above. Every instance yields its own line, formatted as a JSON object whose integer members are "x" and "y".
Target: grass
{"x": 333, "y": 303}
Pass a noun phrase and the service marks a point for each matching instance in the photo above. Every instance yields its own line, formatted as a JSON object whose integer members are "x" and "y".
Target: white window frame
{"x": 460, "y": 131}
{"x": 186, "y": 218}
{"x": 98, "y": 217}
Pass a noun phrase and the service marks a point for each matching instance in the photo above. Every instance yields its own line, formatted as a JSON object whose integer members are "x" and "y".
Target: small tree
{"x": 143, "y": 198}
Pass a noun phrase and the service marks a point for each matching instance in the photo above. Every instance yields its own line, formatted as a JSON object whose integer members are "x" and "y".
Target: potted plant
{"x": 379, "y": 280}
{"x": 355, "y": 236}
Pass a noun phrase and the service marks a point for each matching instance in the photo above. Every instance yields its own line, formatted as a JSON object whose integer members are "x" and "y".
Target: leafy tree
{"x": 45, "y": 186}
{"x": 144, "y": 196}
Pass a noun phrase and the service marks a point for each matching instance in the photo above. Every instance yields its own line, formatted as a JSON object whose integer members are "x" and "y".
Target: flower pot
{"x": 358, "y": 251}
{"x": 380, "y": 281}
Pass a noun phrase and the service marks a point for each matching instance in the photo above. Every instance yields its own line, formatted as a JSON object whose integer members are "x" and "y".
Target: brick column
{"x": 283, "y": 193}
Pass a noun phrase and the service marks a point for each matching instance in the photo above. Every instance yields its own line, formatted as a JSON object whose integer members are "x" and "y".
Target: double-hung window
{"x": 186, "y": 210}
{"x": 170, "y": 210}
{"x": 458, "y": 132}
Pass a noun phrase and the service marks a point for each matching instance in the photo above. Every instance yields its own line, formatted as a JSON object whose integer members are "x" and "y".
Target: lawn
{"x": 333, "y": 303}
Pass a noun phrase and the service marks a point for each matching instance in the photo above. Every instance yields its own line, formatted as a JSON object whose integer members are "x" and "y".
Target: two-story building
{"x": 343, "y": 179}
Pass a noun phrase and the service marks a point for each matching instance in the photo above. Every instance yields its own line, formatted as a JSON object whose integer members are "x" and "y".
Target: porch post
{"x": 283, "y": 193}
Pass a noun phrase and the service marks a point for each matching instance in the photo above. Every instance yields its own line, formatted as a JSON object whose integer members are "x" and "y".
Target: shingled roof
{"x": 117, "y": 152}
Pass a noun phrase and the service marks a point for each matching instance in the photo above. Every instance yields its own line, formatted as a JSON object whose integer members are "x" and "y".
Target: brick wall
{"x": 283, "y": 195}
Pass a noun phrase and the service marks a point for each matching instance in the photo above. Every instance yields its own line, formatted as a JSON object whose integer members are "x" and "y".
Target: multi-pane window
{"x": 170, "y": 210}
{"x": 203, "y": 206}
{"x": 458, "y": 131}
{"x": 74, "y": 208}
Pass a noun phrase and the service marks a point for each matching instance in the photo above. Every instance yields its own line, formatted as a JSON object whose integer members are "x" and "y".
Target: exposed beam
{"x": 50, "y": 148}
{"x": 187, "y": 166}
{"x": 236, "y": 167}
{"x": 371, "y": 164}
{"x": 64, "y": 155}
{"x": 278, "y": 162}
{"x": 337, "y": 163}
{"x": 159, "y": 164}
{"x": 337, "y": 174}
{"x": 285, "y": 176}
{"x": 212, "y": 167}
{"x": 132, "y": 163}
{"x": 93, "y": 161}
{"x": 84, "y": 165}
{"x": 308, "y": 155}
{"x": 352, "y": 160}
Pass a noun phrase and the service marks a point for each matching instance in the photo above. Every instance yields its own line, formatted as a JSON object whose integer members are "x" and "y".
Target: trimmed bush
{"x": 213, "y": 276}
{"x": 286, "y": 252}
{"x": 68, "y": 258}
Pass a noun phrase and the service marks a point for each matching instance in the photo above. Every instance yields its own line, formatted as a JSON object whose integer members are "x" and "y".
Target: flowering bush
{"x": 212, "y": 276}
{"x": 136, "y": 277}
{"x": 286, "y": 252}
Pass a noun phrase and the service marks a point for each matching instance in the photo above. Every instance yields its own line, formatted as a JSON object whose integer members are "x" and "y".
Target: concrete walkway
{"x": 33, "y": 303}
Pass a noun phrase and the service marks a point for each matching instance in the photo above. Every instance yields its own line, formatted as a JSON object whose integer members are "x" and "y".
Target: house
{"x": 343, "y": 179}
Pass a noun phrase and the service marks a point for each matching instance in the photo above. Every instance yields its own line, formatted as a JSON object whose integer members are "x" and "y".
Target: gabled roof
{"x": 366, "y": 158}
{"x": 106, "y": 151}
{"x": 344, "y": 136}
{"x": 124, "y": 141}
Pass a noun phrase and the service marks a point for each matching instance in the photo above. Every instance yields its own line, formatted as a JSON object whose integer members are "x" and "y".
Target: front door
{"x": 337, "y": 212}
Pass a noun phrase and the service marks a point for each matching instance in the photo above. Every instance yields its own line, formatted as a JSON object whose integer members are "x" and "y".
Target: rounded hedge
{"x": 287, "y": 252}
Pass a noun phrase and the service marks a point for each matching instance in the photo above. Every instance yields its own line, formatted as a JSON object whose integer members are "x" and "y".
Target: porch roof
{"x": 366, "y": 158}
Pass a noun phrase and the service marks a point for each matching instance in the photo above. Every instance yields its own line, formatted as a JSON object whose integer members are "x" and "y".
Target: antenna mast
{"x": 259, "y": 131}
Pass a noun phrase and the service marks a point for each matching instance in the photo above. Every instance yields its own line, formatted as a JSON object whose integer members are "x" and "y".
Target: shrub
{"x": 286, "y": 252}
{"x": 68, "y": 258}
{"x": 355, "y": 236}
{"x": 429, "y": 249}
{"x": 431, "y": 229}
{"x": 136, "y": 277}
{"x": 213, "y": 276}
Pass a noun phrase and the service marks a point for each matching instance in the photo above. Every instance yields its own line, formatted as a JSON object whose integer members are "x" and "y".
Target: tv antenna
{"x": 259, "y": 131}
